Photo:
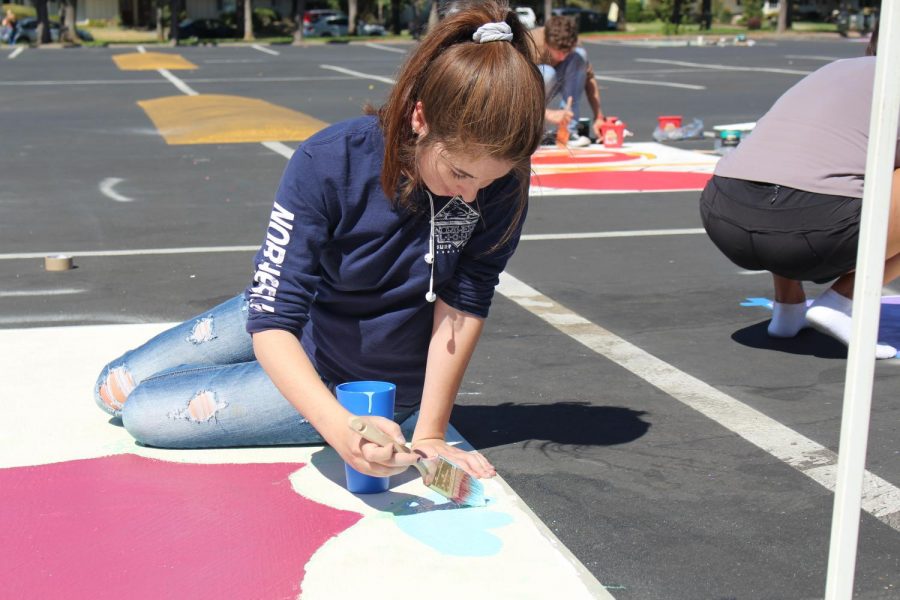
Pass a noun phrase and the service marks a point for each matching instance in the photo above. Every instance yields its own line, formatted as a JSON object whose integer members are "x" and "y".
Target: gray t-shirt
{"x": 816, "y": 135}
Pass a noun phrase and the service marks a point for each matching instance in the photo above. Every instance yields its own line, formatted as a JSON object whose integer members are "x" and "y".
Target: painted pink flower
{"x": 130, "y": 527}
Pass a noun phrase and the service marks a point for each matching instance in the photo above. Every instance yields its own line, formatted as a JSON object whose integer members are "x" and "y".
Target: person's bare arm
{"x": 453, "y": 339}
{"x": 284, "y": 360}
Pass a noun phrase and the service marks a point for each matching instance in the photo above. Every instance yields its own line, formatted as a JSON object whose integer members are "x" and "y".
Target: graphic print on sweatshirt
{"x": 453, "y": 226}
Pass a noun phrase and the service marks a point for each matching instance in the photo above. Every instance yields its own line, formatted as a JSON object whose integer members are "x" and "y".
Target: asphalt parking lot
{"x": 658, "y": 499}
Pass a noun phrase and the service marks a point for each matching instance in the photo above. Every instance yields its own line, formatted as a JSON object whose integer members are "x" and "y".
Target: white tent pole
{"x": 866, "y": 307}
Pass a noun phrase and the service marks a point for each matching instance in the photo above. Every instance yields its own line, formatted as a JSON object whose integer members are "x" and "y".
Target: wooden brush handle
{"x": 375, "y": 435}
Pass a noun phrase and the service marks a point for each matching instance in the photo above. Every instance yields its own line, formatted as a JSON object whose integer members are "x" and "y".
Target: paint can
{"x": 669, "y": 122}
{"x": 727, "y": 140}
{"x": 58, "y": 262}
{"x": 612, "y": 131}
{"x": 584, "y": 127}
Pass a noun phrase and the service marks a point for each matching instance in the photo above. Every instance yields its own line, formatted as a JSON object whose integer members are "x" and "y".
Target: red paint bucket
{"x": 667, "y": 122}
{"x": 612, "y": 130}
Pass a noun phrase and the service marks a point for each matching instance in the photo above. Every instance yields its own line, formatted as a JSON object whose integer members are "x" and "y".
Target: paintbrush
{"x": 562, "y": 132}
{"x": 438, "y": 473}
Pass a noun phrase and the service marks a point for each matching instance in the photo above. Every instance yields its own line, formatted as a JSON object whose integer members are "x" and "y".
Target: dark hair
{"x": 561, "y": 33}
{"x": 486, "y": 98}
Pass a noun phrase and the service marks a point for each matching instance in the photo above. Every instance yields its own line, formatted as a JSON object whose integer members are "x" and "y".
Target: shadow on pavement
{"x": 330, "y": 465}
{"x": 808, "y": 342}
{"x": 574, "y": 423}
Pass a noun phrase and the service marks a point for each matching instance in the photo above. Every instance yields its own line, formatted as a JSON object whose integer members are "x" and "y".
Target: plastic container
{"x": 584, "y": 128}
{"x": 366, "y": 398}
{"x": 728, "y": 137}
{"x": 612, "y": 130}
{"x": 727, "y": 140}
{"x": 667, "y": 122}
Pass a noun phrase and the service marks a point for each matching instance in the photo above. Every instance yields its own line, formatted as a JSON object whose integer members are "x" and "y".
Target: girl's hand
{"x": 472, "y": 463}
{"x": 558, "y": 116}
{"x": 368, "y": 457}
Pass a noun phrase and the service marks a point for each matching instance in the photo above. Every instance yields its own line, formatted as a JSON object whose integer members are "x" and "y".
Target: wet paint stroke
{"x": 450, "y": 529}
{"x": 888, "y": 324}
{"x": 125, "y": 526}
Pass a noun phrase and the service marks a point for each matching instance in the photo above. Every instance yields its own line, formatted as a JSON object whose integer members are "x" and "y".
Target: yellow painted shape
{"x": 150, "y": 61}
{"x": 221, "y": 119}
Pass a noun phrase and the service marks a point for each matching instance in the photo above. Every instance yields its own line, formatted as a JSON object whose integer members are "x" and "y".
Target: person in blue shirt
{"x": 385, "y": 242}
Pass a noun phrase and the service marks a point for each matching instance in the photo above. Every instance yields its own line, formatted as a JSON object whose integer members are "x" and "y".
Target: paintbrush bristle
{"x": 451, "y": 481}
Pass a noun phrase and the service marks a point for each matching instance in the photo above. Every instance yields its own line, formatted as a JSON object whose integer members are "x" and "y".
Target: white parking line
{"x": 43, "y": 82}
{"x": 660, "y": 71}
{"x": 138, "y": 252}
{"x": 880, "y": 498}
{"x": 233, "y": 61}
{"x": 716, "y": 67}
{"x": 359, "y": 74}
{"x": 264, "y": 49}
{"x": 215, "y": 249}
{"x": 76, "y": 318}
{"x": 178, "y": 83}
{"x": 16, "y": 52}
{"x": 813, "y": 57}
{"x": 279, "y": 148}
{"x": 29, "y": 293}
{"x": 611, "y": 234}
{"x": 387, "y": 48}
{"x": 106, "y": 188}
{"x": 686, "y": 86}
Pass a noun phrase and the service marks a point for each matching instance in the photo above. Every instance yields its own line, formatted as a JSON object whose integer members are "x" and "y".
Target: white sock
{"x": 787, "y": 319}
{"x": 831, "y": 314}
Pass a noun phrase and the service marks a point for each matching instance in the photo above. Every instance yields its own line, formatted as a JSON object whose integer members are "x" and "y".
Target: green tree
{"x": 753, "y": 13}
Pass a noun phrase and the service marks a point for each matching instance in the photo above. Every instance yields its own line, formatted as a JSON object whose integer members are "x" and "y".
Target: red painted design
{"x": 583, "y": 157}
{"x": 623, "y": 180}
{"x": 130, "y": 527}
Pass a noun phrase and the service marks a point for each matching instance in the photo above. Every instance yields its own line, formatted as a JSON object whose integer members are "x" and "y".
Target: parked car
{"x": 313, "y": 16}
{"x": 588, "y": 20}
{"x": 370, "y": 29}
{"x": 27, "y": 28}
{"x": 205, "y": 29}
{"x": 527, "y": 16}
{"x": 332, "y": 26}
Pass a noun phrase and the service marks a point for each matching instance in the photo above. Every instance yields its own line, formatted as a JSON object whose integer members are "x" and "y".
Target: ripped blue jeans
{"x": 198, "y": 385}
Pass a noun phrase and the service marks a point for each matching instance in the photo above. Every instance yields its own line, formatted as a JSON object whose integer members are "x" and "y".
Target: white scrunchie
{"x": 493, "y": 32}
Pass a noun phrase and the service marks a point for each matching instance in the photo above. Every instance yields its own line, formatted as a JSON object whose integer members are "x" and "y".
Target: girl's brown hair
{"x": 485, "y": 99}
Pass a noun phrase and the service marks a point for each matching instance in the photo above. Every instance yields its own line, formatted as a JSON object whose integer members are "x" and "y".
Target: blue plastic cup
{"x": 367, "y": 398}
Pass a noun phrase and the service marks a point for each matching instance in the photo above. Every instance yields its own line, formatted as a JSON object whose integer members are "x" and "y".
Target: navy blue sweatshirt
{"x": 344, "y": 270}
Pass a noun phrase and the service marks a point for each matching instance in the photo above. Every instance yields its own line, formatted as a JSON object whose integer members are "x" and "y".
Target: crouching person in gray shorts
{"x": 788, "y": 199}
